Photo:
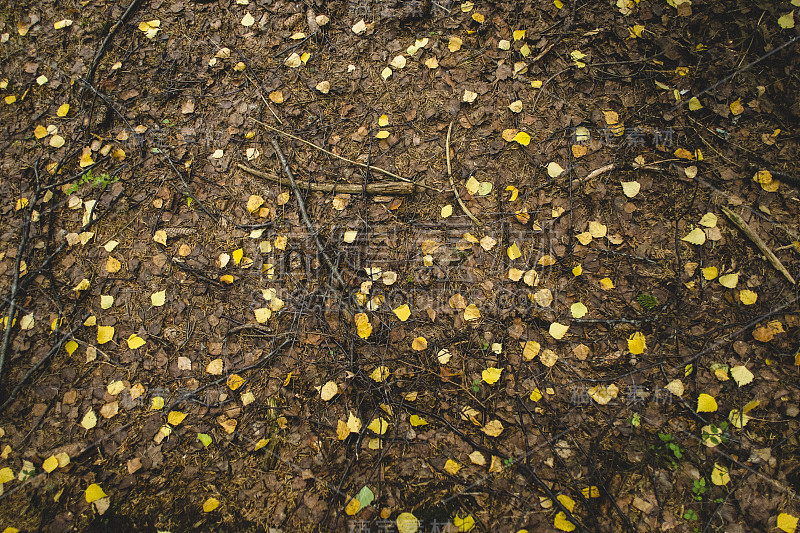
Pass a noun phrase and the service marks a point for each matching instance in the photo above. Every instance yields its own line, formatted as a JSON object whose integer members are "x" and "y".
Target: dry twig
{"x": 453, "y": 185}
{"x": 753, "y": 236}
{"x": 386, "y": 187}
{"x": 302, "y": 206}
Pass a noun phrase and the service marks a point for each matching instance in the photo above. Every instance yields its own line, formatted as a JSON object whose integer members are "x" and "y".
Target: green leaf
{"x": 365, "y": 496}
{"x": 204, "y": 438}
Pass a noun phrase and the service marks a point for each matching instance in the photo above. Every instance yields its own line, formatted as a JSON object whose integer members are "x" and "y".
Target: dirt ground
{"x": 573, "y": 319}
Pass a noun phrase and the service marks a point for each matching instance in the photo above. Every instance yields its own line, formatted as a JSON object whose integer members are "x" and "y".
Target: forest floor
{"x": 529, "y": 278}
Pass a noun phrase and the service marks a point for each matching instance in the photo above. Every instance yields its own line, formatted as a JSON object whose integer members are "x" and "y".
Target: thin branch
{"x": 302, "y": 206}
{"x": 753, "y": 236}
{"x": 384, "y": 187}
{"x": 362, "y": 165}
{"x": 453, "y": 185}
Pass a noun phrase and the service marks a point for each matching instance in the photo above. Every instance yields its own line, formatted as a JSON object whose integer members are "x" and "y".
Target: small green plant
{"x": 476, "y": 386}
{"x": 715, "y": 434}
{"x": 97, "y": 181}
{"x": 690, "y": 515}
{"x": 699, "y": 488}
{"x": 647, "y": 301}
{"x": 508, "y": 461}
{"x": 673, "y": 447}
{"x": 636, "y": 420}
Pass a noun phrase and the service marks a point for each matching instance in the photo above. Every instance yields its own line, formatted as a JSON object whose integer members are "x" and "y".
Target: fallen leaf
{"x": 363, "y": 326}
{"x": 104, "y": 334}
{"x": 636, "y": 343}
{"x": 493, "y": 428}
{"x": 706, "y": 403}
{"x": 329, "y": 390}
{"x": 631, "y": 188}
{"x": 419, "y": 344}
{"x": 402, "y": 312}
{"x": 557, "y": 330}
{"x": 451, "y": 467}
{"x": 378, "y": 426}
{"x": 741, "y": 375}
{"x": 93, "y": 493}
{"x": 211, "y": 503}
{"x": 491, "y": 375}
{"x": 696, "y": 236}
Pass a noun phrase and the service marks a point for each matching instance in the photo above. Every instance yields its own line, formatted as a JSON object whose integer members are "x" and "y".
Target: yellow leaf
{"x": 211, "y": 503}
{"x": 419, "y": 344}
{"x": 631, "y": 188}
{"x": 683, "y": 153}
{"x": 6, "y": 475}
{"x": 260, "y": 444}
{"x": 452, "y": 467}
{"x": 561, "y": 522}
{"x": 135, "y": 341}
{"x": 696, "y": 236}
{"x": 417, "y": 421}
{"x": 590, "y": 492}
{"x": 577, "y": 271}
{"x": 329, "y": 390}
{"x": 158, "y": 298}
{"x": 720, "y": 475}
{"x": 254, "y": 203}
{"x": 578, "y": 310}
{"x": 402, "y": 312}
{"x": 379, "y": 374}
{"x": 513, "y": 252}
{"x": 70, "y": 346}
{"x": 262, "y": 314}
{"x": 104, "y": 334}
{"x": 729, "y": 280}
{"x": 352, "y": 507}
{"x": 432, "y": 63}
{"x": 157, "y": 403}
{"x": 636, "y": 343}
{"x": 706, "y": 403}
{"x": 94, "y": 493}
{"x": 454, "y": 45}
{"x": 471, "y": 312}
{"x": 494, "y": 428}
{"x": 378, "y": 426}
{"x": 491, "y": 375}
{"x": 710, "y": 273}
{"x": 554, "y": 170}
{"x": 342, "y": 431}
{"x": 464, "y": 524}
{"x": 694, "y": 104}
{"x": 174, "y": 418}
{"x": 522, "y": 138}
{"x": 407, "y": 523}
{"x": 536, "y": 395}
{"x": 597, "y": 229}
{"x": 363, "y": 326}
{"x": 113, "y": 265}
{"x": 160, "y": 237}
{"x": 237, "y": 255}
{"x": 736, "y": 107}
{"x": 748, "y": 297}
{"x": 235, "y": 381}
{"x": 215, "y": 367}
{"x": 479, "y": 18}
{"x": 63, "y": 109}
{"x": 530, "y": 349}
{"x": 786, "y": 21}
{"x": 383, "y": 134}
{"x": 50, "y": 464}
{"x": 787, "y": 522}
{"x": 741, "y": 375}
{"x": 557, "y": 330}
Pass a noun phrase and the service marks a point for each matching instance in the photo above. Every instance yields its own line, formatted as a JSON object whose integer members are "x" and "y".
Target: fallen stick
{"x": 747, "y": 230}
{"x": 388, "y": 187}
{"x": 302, "y": 206}
{"x": 453, "y": 185}
{"x": 362, "y": 165}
